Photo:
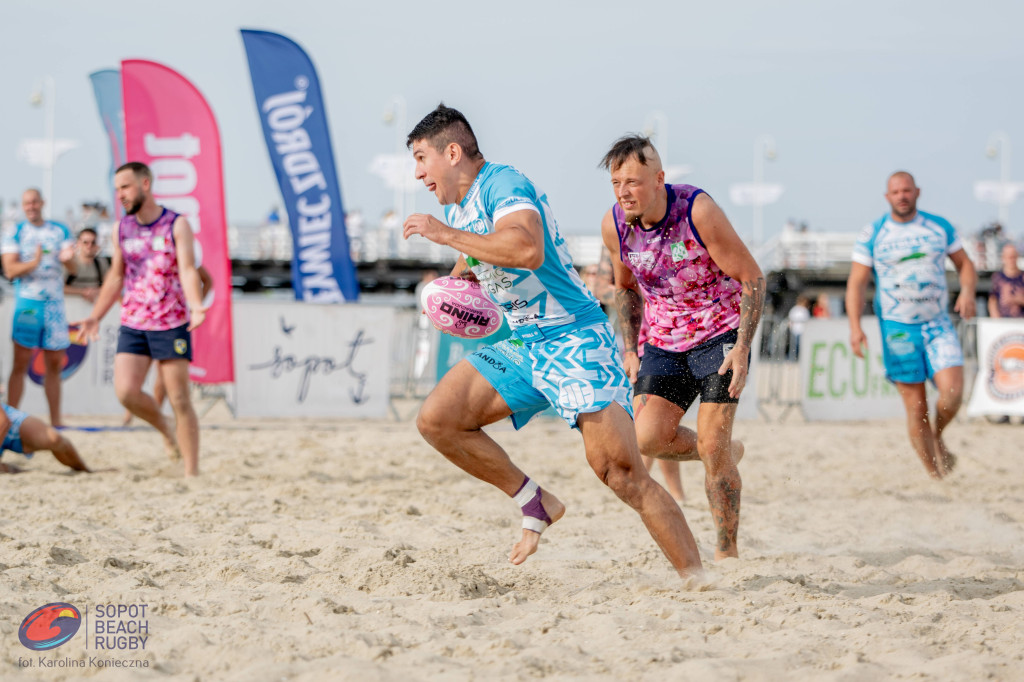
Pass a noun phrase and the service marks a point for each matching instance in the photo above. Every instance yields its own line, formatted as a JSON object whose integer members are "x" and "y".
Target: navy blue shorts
{"x": 169, "y": 344}
{"x": 681, "y": 377}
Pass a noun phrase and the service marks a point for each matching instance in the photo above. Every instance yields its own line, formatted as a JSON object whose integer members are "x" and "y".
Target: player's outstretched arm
{"x": 517, "y": 240}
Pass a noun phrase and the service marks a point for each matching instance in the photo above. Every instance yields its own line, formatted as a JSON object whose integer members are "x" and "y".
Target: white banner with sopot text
{"x": 999, "y": 386}
{"x": 312, "y": 360}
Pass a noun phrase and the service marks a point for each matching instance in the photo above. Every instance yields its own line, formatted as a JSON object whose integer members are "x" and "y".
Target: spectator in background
{"x": 90, "y": 269}
{"x": 32, "y": 253}
{"x": 798, "y": 316}
{"x": 1007, "y": 296}
{"x": 822, "y": 307}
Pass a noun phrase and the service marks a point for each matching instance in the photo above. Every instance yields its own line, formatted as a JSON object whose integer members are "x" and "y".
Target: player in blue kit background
{"x": 33, "y": 253}
{"x": 906, "y": 250}
{"x": 562, "y": 352}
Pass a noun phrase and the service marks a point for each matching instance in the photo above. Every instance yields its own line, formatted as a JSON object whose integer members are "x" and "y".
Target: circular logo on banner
{"x": 73, "y": 358}
{"x": 1006, "y": 373}
{"x": 49, "y": 626}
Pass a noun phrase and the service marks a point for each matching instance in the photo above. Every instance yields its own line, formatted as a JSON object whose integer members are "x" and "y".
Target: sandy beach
{"x": 350, "y": 550}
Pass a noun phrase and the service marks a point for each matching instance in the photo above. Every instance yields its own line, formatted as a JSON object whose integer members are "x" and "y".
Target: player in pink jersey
{"x": 153, "y": 270}
{"x": 681, "y": 268}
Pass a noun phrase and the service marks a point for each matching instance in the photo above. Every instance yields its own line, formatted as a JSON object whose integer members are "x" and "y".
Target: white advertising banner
{"x": 836, "y": 384}
{"x": 999, "y": 386}
{"x": 312, "y": 360}
{"x": 88, "y": 386}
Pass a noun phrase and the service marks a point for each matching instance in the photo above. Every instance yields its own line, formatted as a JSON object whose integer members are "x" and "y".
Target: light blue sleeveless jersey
{"x": 549, "y": 296}
{"x": 909, "y": 261}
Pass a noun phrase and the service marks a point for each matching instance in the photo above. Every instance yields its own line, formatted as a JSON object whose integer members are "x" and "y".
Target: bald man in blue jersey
{"x": 905, "y": 251}
{"x": 562, "y": 352}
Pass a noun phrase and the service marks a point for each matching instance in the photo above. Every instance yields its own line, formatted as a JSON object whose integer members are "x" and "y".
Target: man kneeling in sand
{"x": 25, "y": 435}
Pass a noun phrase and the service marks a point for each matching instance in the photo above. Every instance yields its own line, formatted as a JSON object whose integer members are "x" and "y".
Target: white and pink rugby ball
{"x": 460, "y": 307}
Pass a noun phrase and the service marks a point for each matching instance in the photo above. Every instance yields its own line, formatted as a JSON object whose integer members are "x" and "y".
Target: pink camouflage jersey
{"x": 153, "y": 298}
{"x": 687, "y": 298}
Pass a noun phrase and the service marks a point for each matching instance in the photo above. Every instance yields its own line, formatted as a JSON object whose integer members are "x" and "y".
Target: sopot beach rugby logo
{"x": 1006, "y": 371}
{"x": 50, "y": 626}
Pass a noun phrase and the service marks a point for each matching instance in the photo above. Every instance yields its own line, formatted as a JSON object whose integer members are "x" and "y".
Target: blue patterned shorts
{"x": 915, "y": 352}
{"x": 40, "y": 324}
{"x": 12, "y": 441}
{"x": 575, "y": 371}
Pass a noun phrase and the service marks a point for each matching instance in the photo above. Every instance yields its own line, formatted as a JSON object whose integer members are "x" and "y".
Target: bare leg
{"x": 660, "y": 434}
{"x": 950, "y": 384}
{"x": 129, "y": 375}
{"x": 722, "y": 479}
{"x": 451, "y": 419}
{"x": 175, "y": 379}
{"x": 669, "y": 468}
{"x": 610, "y": 443}
{"x": 54, "y": 360}
{"x": 36, "y": 435}
{"x": 19, "y": 368}
{"x": 159, "y": 392}
{"x": 918, "y": 427}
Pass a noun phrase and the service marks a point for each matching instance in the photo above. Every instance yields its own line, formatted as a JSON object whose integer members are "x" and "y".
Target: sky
{"x": 850, "y": 91}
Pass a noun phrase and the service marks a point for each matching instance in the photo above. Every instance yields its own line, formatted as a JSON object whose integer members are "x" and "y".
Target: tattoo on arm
{"x": 751, "y": 307}
{"x": 630, "y": 307}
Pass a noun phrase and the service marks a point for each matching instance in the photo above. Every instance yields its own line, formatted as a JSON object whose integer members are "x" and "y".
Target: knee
{"x": 952, "y": 395}
{"x": 50, "y": 440}
{"x": 716, "y": 453}
{"x": 180, "y": 401}
{"x": 127, "y": 395}
{"x": 433, "y": 421}
{"x": 653, "y": 439}
{"x": 622, "y": 479}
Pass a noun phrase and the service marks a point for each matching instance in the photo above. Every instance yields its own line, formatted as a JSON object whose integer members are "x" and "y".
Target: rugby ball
{"x": 460, "y": 307}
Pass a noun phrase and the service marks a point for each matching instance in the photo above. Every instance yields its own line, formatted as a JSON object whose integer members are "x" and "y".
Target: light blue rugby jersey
{"x": 909, "y": 261}
{"x": 45, "y": 282}
{"x": 551, "y": 295}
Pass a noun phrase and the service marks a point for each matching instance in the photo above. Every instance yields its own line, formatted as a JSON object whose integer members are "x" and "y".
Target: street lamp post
{"x": 395, "y": 115}
{"x": 1003, "y": 152}
{"x": 764, "y": 148}
{"x": 48, "y": 101}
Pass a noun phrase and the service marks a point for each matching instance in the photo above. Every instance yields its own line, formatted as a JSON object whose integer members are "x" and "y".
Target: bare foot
{"x": 734, "y": 553}
{"x": 127, "y": 418}
{"x": 946, "y": 460}
{"x": 9, "y": 469}
{"x": 738, "y": 449}
{"x": 173, "y": 452}
{"x": 528, "y": 544}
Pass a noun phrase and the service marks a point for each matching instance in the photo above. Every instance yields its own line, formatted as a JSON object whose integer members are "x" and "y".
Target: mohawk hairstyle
{"x": 625, "y": 148}
{"x": 441, "y": 127}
